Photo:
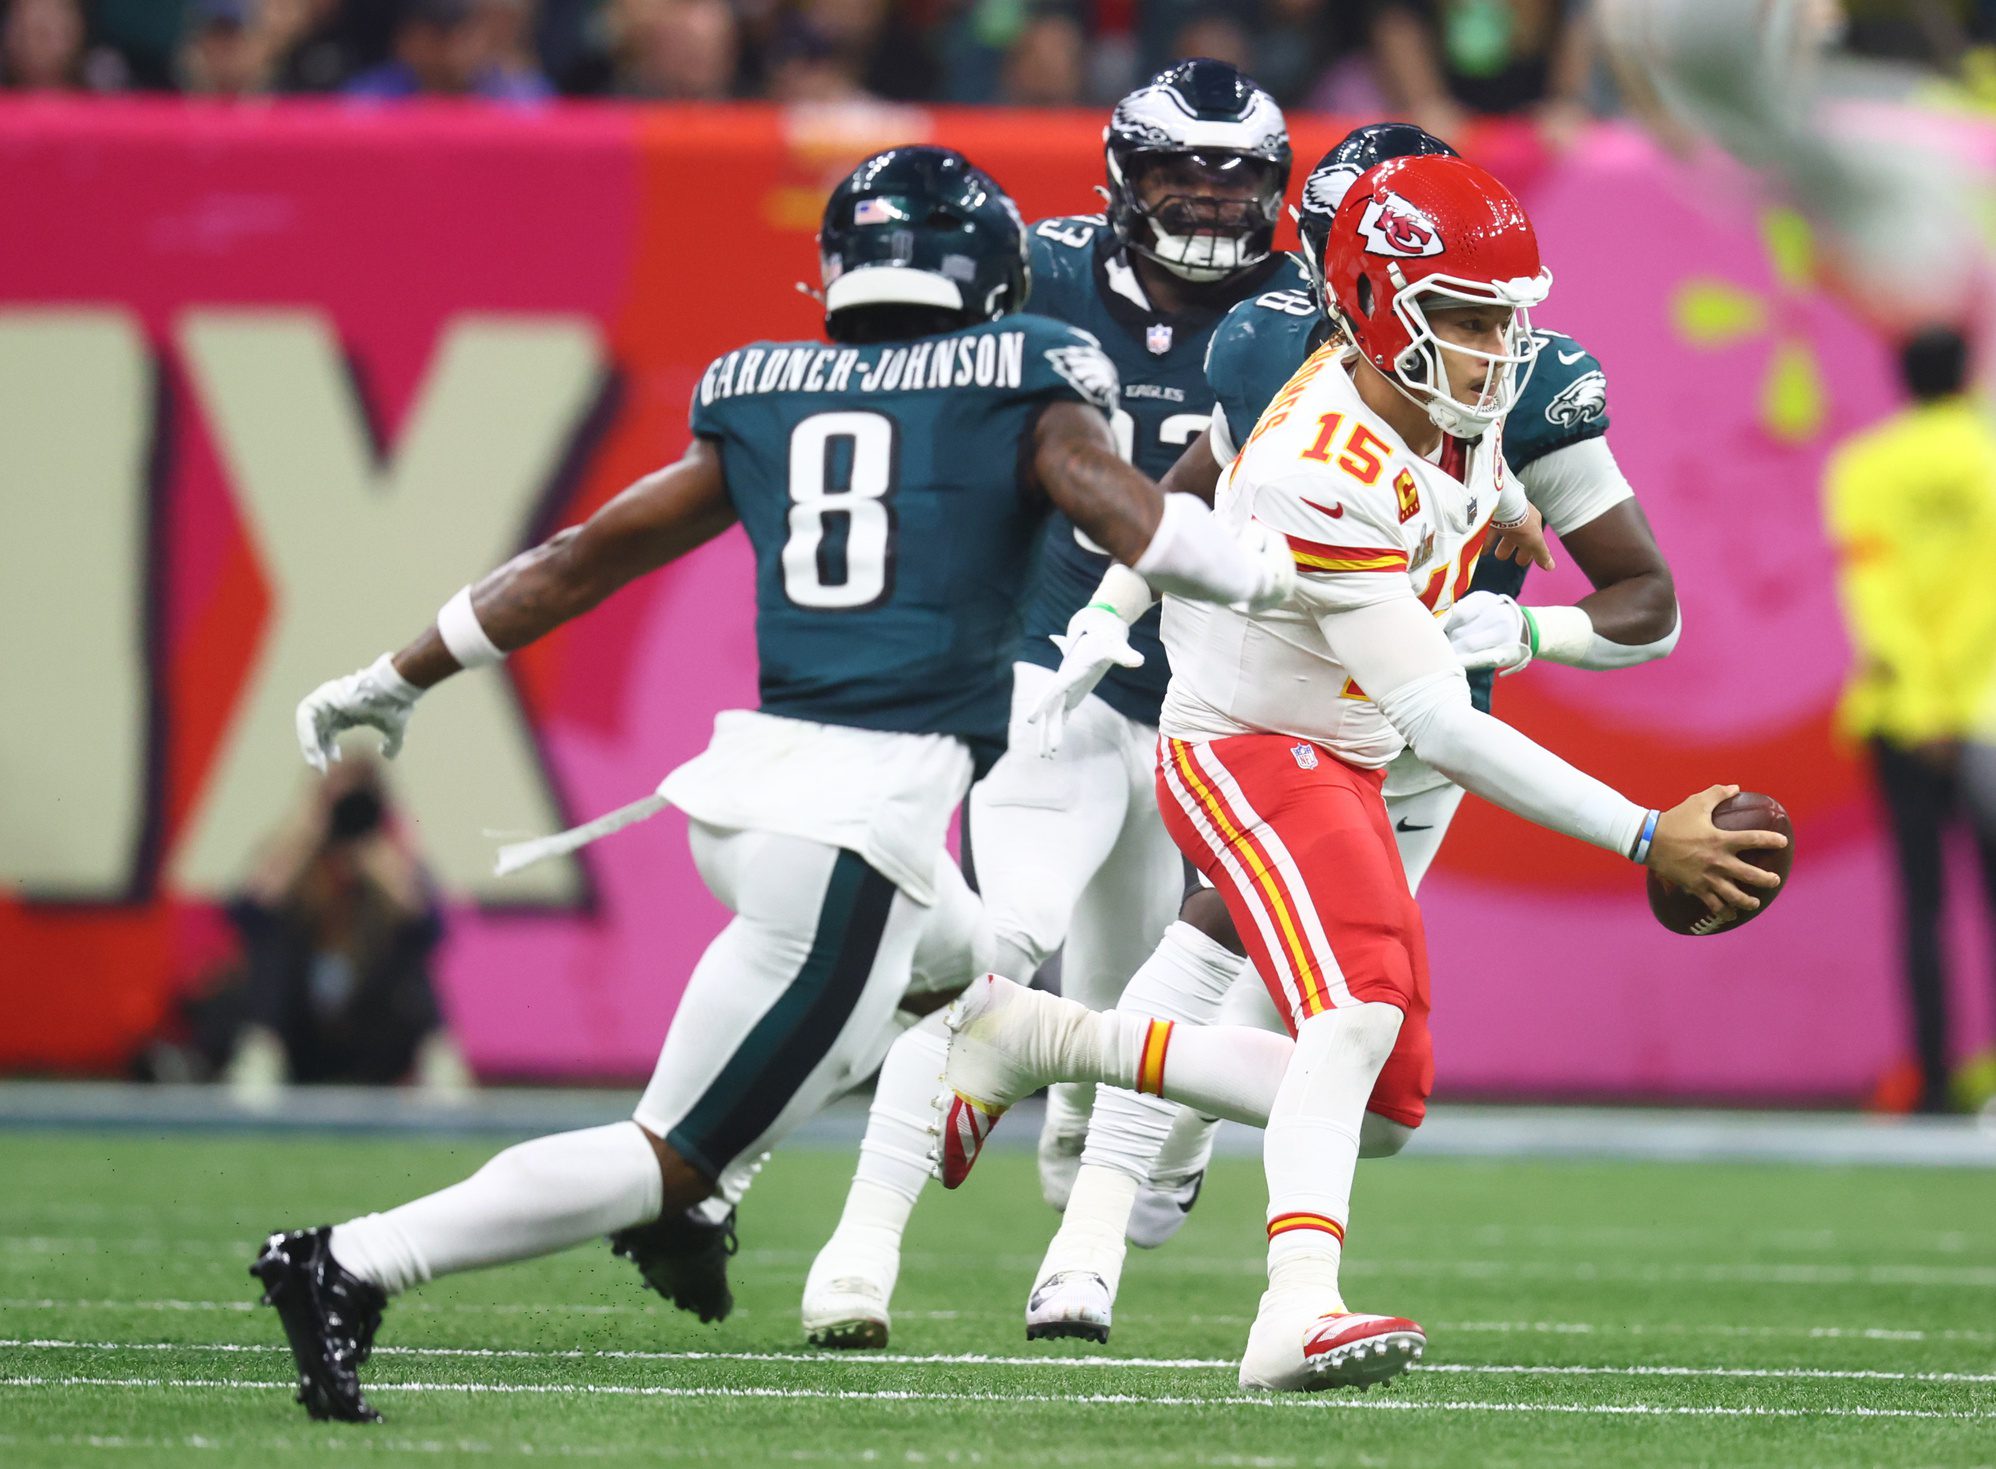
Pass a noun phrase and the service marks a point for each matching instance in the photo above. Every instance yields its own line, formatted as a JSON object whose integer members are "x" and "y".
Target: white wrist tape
{"x": 463, "y": 634}
{"x": 1512, "y": 505}
{"x": 1123, "y": 592}
{"x": 1566, "y": 635}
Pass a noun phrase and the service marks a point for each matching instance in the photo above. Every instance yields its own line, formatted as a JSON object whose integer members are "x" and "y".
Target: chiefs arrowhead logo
{"x": 1392, "y": 226}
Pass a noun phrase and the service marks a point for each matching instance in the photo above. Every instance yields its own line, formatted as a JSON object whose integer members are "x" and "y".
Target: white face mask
{"x": 1201, "y": 257}
{"x": 1420, "y": 374}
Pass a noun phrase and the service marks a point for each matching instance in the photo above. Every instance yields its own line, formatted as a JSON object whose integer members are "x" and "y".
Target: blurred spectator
{"x": 445, "y": 48}
{"x": 224, "y": 54}
{"x": 1216, "y": 32}
{"x": 313, "y": 44}
{"x": 806, "y": 65}
{"x": 1047, "y": 66}
{"x": 338, "y": 926}
{"x": 41, "y": 46}
{"x": 512, "y": 63}
{"x": 1441, "y": 60}
{"x": 680, "y": 50}
{"x": 1911, "y": 503}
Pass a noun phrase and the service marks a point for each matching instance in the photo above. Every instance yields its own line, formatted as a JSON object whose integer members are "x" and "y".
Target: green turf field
{"x": 1578, "y": 1313}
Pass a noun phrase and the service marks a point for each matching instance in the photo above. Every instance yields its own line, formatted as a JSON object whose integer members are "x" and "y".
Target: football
{"x": 1680, "y": 912}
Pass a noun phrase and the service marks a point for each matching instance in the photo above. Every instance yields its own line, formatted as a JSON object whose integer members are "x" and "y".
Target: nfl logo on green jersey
{"x": 1158, "y": 339}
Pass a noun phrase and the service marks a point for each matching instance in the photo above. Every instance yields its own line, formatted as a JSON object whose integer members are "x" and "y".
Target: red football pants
{"x": 1299, "y": 845}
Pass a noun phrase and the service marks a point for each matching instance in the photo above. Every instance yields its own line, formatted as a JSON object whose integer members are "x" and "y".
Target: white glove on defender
{"x": 1486, "y": 630}
{"x": 377, "y": 696}
{"x": 1096, "y": 640}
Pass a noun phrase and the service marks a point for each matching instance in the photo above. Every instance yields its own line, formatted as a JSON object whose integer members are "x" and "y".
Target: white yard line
{"x": 1962, "y": 1277}
{"x": 1543, "y": 1328}
{"x": 1280, "y": 1402}
{"x": 982, "y": 1359}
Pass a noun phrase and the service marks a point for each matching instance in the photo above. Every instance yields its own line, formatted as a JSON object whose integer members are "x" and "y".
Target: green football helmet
{"x": 923, "y": 227}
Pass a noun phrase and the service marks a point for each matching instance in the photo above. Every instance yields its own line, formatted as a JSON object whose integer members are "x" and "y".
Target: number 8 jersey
{"x": 887, "y": 493}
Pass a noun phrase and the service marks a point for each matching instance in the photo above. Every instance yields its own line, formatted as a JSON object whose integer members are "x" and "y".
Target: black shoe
{"x": 330, "y": 1316}
{"x": 684, "y": 1258}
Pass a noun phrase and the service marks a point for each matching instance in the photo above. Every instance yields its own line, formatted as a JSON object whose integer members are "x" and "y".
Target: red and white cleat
{"x": 1005, "y": 1042}
{"x": 1349, "y": 1349}
{"x": 966, "y": 1124}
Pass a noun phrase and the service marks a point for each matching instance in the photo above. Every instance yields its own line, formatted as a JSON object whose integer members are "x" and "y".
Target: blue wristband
{"x": 1641, "y": 850}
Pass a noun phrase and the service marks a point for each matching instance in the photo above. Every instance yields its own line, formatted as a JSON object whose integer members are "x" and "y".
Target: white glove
{"x": 1277, "y": 564}
{"x": 377, "y": 696}
{"x": 1096, "y": 640}
{"x": 1486, "y": 630}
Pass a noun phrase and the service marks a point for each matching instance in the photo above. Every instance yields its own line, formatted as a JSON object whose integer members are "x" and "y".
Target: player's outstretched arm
{"x": 1394, "y": 646}
{"x": 662, "y": 516}
{"x": 1172, "y": 541}
{"x": 1630, "y": 617}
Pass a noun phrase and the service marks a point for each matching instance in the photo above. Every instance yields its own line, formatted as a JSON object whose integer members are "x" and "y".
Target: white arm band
{"x": 1124, "y": 593}
{"x": 462, "y": 633}
{"x": 1399, "y": 647}
{"x": 1191, "y": 555}
{"x": 1566, "y": 635}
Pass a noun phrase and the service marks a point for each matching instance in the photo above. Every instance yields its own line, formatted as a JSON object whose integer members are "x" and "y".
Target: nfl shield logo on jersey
{"x": 1158, "y": 339}
{"x": 1306, "y": 755}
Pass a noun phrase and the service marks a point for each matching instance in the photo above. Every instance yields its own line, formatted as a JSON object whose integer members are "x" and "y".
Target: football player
{"x": 1071, "y": 850}
{"x": 1554, "y": 443}
{"x": 1382, "y": 465}
{"x": 893, "y": 485}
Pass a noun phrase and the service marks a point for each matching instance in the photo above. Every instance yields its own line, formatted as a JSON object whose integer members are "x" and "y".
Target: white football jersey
{"x": 1366, "y": 518}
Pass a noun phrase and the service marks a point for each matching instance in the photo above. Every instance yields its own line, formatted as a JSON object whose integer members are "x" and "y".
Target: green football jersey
{"x": 1081, "y": 277}
{"x": 886, "y": 493}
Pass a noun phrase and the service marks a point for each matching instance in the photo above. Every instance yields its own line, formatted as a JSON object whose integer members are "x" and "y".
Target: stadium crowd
{"x": 1431, "y": 60}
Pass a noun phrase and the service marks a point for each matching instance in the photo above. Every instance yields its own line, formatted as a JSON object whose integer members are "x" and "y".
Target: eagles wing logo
{"x": 1392, "y": 226}
{"x": 1581, "y": 401}
{"x": 1089, "y": 372}
{"x": 1325, "y": 190}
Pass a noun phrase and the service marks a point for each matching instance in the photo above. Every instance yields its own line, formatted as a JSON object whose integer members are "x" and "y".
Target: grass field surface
{"x": 1578, "y": 1313}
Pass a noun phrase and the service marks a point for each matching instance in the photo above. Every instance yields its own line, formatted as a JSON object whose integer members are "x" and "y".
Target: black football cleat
{"x": 684, "y": 1257}
{"x": 330, "y": 1316}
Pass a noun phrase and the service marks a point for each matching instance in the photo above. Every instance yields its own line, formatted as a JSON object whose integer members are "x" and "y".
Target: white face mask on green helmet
{"x": 1198, "y": 161}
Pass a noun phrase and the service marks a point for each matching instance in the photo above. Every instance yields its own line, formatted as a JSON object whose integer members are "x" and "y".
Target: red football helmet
{"x": 1416, "y": 233}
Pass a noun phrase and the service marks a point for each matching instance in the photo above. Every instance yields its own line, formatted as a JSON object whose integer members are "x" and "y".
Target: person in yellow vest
{"x": 1912, "y": 515}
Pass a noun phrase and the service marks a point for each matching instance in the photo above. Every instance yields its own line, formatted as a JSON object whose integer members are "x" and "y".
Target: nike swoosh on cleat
{"x": 1567, "y": 359}
{"x": 1334, "y": 511}
{"x": 1403, "y": 824}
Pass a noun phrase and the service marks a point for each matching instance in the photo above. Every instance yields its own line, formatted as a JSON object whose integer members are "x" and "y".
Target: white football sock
{"x": 1220, "y": 1070}
{"x": 533, "y": 1199}
{"x": 1186, "y": 1149}
{"x": 1311, "y": 1150}
{"x": 894, "y": 1155}
{"x": 1186, "y": 979}
{"x": 1091, "y": 1231}
{"x": 1014, "y": 959}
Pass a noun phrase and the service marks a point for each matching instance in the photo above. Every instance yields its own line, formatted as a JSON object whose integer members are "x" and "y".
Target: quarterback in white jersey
{"x": 1145, "y": 1159}
{"x": 1272, "y": 787}
{"x": 1386, "y": 510}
